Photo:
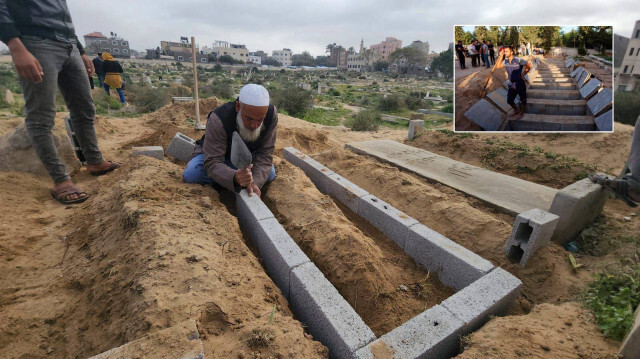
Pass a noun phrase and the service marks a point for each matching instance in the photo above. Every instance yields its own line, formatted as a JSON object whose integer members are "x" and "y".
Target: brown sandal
{"x": 112, "y": 166}
{"x": 61, "y": 194}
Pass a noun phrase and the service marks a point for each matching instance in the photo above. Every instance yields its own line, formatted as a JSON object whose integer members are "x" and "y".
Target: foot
{"x": 102, "y": 168}
{"x": 72, "y": 194}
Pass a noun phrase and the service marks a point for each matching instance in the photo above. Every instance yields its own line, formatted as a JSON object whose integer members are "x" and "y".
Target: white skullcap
{"x": 254, "y": 95}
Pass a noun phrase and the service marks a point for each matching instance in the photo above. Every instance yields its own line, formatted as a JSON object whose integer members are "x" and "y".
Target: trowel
{"x": 240, "y": 155}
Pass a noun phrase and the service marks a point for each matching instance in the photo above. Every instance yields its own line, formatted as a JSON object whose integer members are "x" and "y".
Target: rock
{"x": 628, "y": 219}
{"x": 8, "y": 97}
{"x": 403, "y": 288}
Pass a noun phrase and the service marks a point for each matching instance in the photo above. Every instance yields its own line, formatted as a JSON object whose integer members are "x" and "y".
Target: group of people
{"x": 478, "y": 52}
{"x": 109, "y": 75}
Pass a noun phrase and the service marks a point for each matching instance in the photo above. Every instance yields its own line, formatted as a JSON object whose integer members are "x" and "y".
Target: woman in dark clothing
{"x": 112, "y": 78}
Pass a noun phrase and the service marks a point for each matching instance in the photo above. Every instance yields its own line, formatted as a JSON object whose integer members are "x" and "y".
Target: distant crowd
{"x": 483, "y": 53}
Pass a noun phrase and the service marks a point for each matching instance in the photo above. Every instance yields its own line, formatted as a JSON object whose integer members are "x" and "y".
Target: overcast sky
{"x": 311, "y": 25}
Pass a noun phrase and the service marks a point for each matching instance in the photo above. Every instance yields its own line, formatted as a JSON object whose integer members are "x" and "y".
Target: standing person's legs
{"x": 121, "y": 94}
{"x": 493, "y": 58}
{"x": 106, "y": 88}
{"x": 77, "y": 96}
{"x": 521, "y": 87}
{"x": 486, "y": 60}
{"x": 40, "y": 104}
{"x": 101, "y": 80}
{"x": 461, "y": 60}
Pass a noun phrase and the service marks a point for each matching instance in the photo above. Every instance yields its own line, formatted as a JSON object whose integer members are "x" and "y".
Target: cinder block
{"x": 415, "y": 126}
{"x": 181, "y": 147}
{"x": 151, "y": 151}
{"x": 316, "y": 172}
{"x": 576, "y": 205}
{"x": 488, "y": 296}
{"x": 327, "y": 315}
{"x": 389, "y": 220}
{"x": 250, "y": 210}
{"x": 345, "y": 191}
{"x": 532, "y": 230}
{"x": 434, "y": 333}
{"x": 278, "y": 251}
{"x": 455, "y": 265}
{"x": 630, "y": 347}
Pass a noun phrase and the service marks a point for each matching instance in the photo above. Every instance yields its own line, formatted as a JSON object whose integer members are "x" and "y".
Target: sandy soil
{"x": 467, "y": 93}
{"x": 147, "y": 251}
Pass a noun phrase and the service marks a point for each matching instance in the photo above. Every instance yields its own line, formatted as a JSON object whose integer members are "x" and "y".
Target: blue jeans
{"x": 486, "y": 60}
{"x": 120, "y": 92}
{"x": 101, "y": 80}
{"x": 196, "y": 173}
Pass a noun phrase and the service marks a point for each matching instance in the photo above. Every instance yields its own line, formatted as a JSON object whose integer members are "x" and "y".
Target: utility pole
{"x": 198, "y": 125}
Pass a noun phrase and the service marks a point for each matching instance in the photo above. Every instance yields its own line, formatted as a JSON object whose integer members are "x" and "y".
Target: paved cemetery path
{"x": 509, "y": 194}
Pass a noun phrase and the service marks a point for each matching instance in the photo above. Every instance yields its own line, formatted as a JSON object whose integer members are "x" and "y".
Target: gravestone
{"x": 600, "y": 101}
{"x": 604, "y": 122}
{"x": 8, "y": 97}
{"x": 590, "y": 88}
{"x": 499, "y": 98}
{"x": 415, "y": 126}
{"x": 485, "y": 115}
{"x": 583, "y": 78}
{"x": 577, "y": 72}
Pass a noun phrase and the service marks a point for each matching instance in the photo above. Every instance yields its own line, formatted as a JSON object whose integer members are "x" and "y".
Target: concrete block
{"x": 316, "y": 172}
{"x": 630, "y": 348}
{"x": 490, "y": 295}
{"x": 278, "y": 250}
{"x": 576, "y": 205}
{"x": 179, "y": 341}
{"x": 415, "y": 126}
{"x": 590, "y": 88}
{"x": 345, "y": 191}
{"x": 586, "y": 75}
{"x": 532, "y": 230}
{"x": 485, "y": 115}
{"x": 251, "y": 209}
{"x": 600, "y": 102}
{"x": 604, "y": 122}
{"x": 327, "y": 315}
{"x": 455, "y": 265}
{"x": 434, "y": 333}
{"x": 181, "y": 147}
{"x": 389, "y": 220}
{"x": 577, "y": 72}
{"x": 151, "y": 151}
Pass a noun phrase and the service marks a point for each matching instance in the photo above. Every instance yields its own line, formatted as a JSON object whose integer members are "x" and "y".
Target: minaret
{"x": 361, "y": 46}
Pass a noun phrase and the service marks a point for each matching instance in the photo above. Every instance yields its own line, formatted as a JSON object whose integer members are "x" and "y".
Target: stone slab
{"x": 577, "y": 72}
{"x": 327, "y": 315}
{"x": 181, "y": 147}
{"x": 316, "y": 172}
{"x": 499, "y": 98}
{"x": 415, "y": 127}
{"x": 590, "y": 88}
{"x": 630, "y": 348}
{"x": 509, "y": 194}
{"x": 151, "y": 151}
{"x": 434, "y": 333}
{"x": 345, "y": 191}
{"x": 179, "y": 341}
{"x": 532, "y": 230}
{"x": 604, "y": 122}
{"x": 389, "y": 220}
{"x": 491, "y": 295}
{"x": 455, "y": 265}
{"x": 583, "y": 78}
{"x": 576, "y": 205}
{"x": 485, "y": 115}
{"x": 600, "y": 101}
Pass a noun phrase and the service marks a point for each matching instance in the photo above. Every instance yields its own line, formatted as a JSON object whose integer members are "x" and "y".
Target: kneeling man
{"x": 256, "y": 121}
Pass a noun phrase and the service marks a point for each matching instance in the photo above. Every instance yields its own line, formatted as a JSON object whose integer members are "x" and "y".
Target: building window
{"x": 191, "y": 58}
{"x": 106, "y": 50}
{"x": 124, "y": 43}
{"x": 114, "y": 42}
{"x": 631, "y": 52}
{"x": 638, "y": 53}
{"x": 625, "y": 69}
{"x": 204, "y": 59}
{"x": 125, "y": 51}
{"x": 115, "y": 51}
{"x": 637, "y": 34}
{"x": 180, "y": 58}
{"x": 632, "y": 69}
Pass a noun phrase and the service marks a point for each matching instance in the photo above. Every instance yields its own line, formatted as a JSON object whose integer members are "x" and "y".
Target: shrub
{"x": 414, "y": 103}
{"x": 104, "y": 103}
{"x": 147, "y": 99}
{"x": 581, "y": 50}
{"x": 333, "y": 92}
{"x": 222, "y": 90}
{"x": 448, "y": 108}
{"x": 367, "y": 120}
{"x": 292, "y": 99}
{"x": 627, "y": 106}
{"x": 390, "y": 103}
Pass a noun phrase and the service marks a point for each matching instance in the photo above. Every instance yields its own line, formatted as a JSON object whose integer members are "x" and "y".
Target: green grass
{"x": 326, "y": 117}
{"x": 613, "y": 298}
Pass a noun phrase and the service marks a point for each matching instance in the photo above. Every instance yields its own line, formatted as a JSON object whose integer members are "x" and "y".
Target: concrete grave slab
{"x": 577, "y": 72}
{"x": 532, "y": 230}
{"x": 179, "y": 341}
{"x": 509, "y": 194}
{"x": 433, "y": 333}
{"x": 604, "y": 122}
{"x": 312, "y": 168}
{"x": 327, "y": 315}
{"x": 415, "y": 127}
{"x": 600, "y": 101}
{"x": 151, "y": 151}
{"x": 586, "y": 75}
{"x": 485, "y": 115}
{"x": 590, "y": 88}
{"x": 576, "y": 205}
{"x": 499, "y": 98}
{"x": 181, "y": 147}
{"x": 490, "y": 295}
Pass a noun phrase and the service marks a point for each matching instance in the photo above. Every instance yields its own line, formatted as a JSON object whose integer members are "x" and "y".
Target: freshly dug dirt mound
{"x": 563, "y": 331}
{"x": 17, "y": 154}
{"x": 468, "y": 91}
{"x": 381, "y": 282}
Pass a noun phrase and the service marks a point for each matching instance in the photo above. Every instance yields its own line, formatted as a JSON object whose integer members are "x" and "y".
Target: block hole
{"x": 435, "y": 324}
{"x": 515, "y": 254}
{"x": 374, "y": 200}
{"x": 523, "y": 233}
{"x": 385, "y": 207}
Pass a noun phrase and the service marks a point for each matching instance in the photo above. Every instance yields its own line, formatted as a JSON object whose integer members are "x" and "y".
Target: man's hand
{"x": 88, "y": 64}
{"x": 253, "y": 188}
{"x": 244, "y": 177}
{"x": 26, "y": 64}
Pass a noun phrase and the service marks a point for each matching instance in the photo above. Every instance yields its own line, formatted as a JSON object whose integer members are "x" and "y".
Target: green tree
{"x": 444, "y": 64}
{"x": 548, "y": 35}
{"x": 480, "y": 32}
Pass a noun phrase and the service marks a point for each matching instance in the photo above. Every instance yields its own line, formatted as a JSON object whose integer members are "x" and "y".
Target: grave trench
{"x": 364, "y": 265}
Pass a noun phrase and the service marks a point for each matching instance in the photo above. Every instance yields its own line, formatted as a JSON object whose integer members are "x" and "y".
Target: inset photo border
{"x": 533, "y": 78}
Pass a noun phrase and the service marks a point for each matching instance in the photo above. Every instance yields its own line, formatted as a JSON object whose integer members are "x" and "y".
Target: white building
{"x": 629, "y": 76}
{"x": 256, "y": 60}
{"x": 282, "y": 56}
{"x": 356, "y": 62}
{"x": 237, "y": 51}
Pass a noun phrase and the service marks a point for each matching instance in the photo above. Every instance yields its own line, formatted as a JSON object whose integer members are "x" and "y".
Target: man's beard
{"x": 246, "y": 133}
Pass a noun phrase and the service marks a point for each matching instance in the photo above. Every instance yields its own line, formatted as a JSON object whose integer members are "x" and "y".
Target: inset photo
{"x": 533, "y": 78}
